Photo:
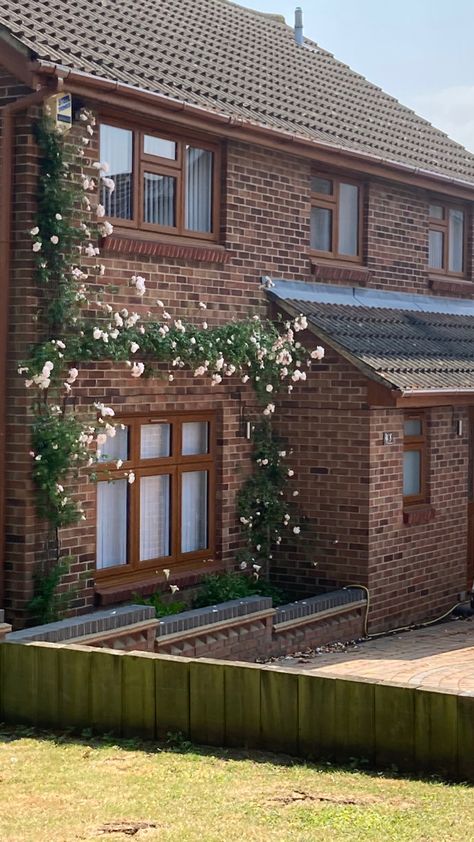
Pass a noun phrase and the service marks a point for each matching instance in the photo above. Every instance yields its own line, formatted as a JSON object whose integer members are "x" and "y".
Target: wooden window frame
{"x": 443, "y": 226}
{"x": 419, "y": 443}
{"x": 331, "y": 202}
{"x": 145, "y": 162}
{"x": 174, "y": 465}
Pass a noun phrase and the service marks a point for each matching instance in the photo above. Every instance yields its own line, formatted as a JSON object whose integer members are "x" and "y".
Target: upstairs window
{"x": 162, "y": 183}
{"x": 335, "y": 217}
{"x": 447, "y": 239}
{"x": 414, "y": 459}
{"x": 165, "y": 517}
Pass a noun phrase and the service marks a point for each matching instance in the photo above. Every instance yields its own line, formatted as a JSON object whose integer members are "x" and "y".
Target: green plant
{"x": 176, "y": 741}
{"x": 262, "y": 504}
{"x": 47, "y": 605}
{"x": 163, "y": 609}
{"x": 79, "y": 326}
{"x": 221, "y": 587}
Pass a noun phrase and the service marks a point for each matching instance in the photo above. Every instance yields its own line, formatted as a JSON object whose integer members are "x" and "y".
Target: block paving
{"x": 437, "y": 658}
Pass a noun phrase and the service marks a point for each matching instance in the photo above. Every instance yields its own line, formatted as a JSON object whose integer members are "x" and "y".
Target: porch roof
{"x": 411, "y": 343}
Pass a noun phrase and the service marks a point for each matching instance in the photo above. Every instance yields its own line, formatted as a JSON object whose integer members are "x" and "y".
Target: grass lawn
{"x": 56, "y": 788}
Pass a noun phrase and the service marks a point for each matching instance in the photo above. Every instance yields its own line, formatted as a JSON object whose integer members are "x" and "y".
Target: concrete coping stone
{"x": 234, "y": 608}
{"x": 318, "y": 604}
{"x": 87, "y": 624}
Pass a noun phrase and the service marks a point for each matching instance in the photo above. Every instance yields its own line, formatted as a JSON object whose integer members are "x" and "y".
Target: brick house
{"x": 273, "y": 159}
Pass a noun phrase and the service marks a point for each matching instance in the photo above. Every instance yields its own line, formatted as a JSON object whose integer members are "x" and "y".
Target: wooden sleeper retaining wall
{"x": 237, "y": 705}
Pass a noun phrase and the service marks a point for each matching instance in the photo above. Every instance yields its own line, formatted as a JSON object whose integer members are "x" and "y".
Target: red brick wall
{"x": 262, "y": 208}
{"x": 416, "y": 572}
{"x": 326, "y": 424}
{"x": 397, "y": 238}
{"x": 265, "y": 230}
{"x": 25, "y": 538}
{"x": 395, "y": 241}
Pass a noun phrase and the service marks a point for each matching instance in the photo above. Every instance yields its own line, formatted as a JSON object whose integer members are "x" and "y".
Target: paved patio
{"x": 440, "y": 657}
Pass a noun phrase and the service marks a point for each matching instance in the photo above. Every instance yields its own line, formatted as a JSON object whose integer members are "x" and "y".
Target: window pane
{"x": 436, "y": 250}
{"x": 159, "y": 199}
{"x": 160, "y": 147}
{"x": 456, "y": 240}
{"x": 348, "y": 219}
{"x": 436, "y": 211}
{"x": 321, "y": 229}
{"x": 321, "y": 185}
{"x": 195, "y": 438}
{"x": 112, "y": 498}
{"x": 154, "y": 517}
{"x": 413, "y": 427}
{"x": 155, "y": 441}
{"x": 194, "y": 511}
{"x": 116, "y": 147}
{"x": 411, "y": 472}
{"x": 116, "y": 447}
{"x": 198, "y": 208}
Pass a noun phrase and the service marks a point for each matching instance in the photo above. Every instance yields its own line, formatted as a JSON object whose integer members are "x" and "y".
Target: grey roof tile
{"x": 406, "y": 348}
{"x": 242, "y": 63}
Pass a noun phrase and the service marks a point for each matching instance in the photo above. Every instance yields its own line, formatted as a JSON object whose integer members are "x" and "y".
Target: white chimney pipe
{"x": 299, "y": 26}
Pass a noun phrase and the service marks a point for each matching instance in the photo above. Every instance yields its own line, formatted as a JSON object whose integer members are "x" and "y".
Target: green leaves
{"x": 262, "y": 501}
{"x": 59, "y": 445}
{"x": 79, "y": 326}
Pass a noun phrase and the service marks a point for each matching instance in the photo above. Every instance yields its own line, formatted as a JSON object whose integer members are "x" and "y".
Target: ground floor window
{"x": 414, "y": 458}
{"x": 165, "y": 517}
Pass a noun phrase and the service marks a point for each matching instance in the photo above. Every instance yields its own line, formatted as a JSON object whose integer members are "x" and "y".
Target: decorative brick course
{"x": 97, "y": 624}
{"x": 268, "y": 632}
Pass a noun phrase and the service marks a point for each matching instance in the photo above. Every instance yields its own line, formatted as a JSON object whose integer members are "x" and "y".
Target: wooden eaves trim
{"x": 135, "y": 101}
{"x": 16, "y": 60}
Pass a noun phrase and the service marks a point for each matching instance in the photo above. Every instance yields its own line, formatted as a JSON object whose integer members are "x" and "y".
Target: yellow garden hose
{"x": 401, "y": 628}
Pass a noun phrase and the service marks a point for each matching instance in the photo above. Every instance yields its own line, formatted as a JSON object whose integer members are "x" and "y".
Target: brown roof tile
{"x": 223, "y": 57}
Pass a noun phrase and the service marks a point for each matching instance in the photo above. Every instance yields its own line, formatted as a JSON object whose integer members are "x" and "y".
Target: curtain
{"x": 436, "y": 249}
{"x": 155, "y": 441}
{"x": 112, "y": 523}
{"x": 348, "y": 219}
{"x": 321, "y": 229}
{"x": 116, "y": 147}
{"x": 116, "y": 447}
{"x": 198, "y": 210}
{"x": 195, "y": 438}
{"x": 194, "y": 514}
{"x": 456, "y": 240}
{"x": 159, "y": 199}
{"x": 154, "y": 517}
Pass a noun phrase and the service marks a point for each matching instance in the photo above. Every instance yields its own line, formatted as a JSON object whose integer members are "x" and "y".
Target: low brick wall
{"x": 241, "y": 629}
{"x": 340, "y": 625}
{"x": 251, "y": 628}
{"x": 125, "y": 628}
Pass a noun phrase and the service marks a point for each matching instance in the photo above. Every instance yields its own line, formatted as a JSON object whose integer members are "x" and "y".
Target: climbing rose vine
{"x": 80, "y": 326}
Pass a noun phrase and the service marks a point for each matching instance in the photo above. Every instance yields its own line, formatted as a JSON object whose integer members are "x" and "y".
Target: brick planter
{"x": 240, "y": 629}
{"x": 129, "y": 627}
{"x": 251, "y": 628}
